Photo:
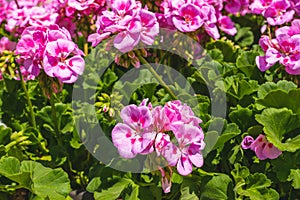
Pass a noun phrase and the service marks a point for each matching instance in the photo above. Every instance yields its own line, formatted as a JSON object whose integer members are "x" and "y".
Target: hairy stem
{"x": 31, "y": 111}
{"x": 54, "y": 118}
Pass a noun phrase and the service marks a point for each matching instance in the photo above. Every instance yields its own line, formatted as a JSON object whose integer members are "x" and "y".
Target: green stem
{"x": 31, "y": 111}
{"x": 54, "y": 118}
{"x": 158, "y": 78}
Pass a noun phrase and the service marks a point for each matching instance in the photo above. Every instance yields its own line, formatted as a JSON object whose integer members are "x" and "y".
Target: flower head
{"x": 262, "y": 148}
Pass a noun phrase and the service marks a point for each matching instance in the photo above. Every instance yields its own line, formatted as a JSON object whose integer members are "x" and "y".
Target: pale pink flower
{"x": 80, "y": 4}
{"x": 188, "y": 18}
{"x": 283, "y": 49}
{"x": 188, "y": 152}
{"x": 262, "y": 148}
{"x": 226, "y": 25}
{"x": 57, "y": 64}
{"x": 6, "y": 44}
{"x": 132, "y": 136}
{"x": 176, "y": 111}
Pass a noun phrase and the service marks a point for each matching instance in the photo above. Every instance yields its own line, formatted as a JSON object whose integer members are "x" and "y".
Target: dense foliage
{"x": 128, "y": 99}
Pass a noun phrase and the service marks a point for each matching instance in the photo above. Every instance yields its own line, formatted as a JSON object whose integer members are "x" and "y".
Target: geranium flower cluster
{"x": 276, "y": 12}
{"x": 51, "y": 49}
{"x": 285, "y": 49}
{"x": 20, "y": 14}
{"x": 172, "y": 131}
{"x": 189, "y": 16}
{"x": 129, "y": 21}
{"x": 262, "y": 148}
{"x": 237, "y": 6}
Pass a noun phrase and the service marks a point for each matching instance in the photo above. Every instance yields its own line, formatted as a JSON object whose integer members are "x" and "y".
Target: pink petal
{"x": 184, "y": 166}
{"x": 62, "y": 71}
{"x": 262, "y": 64}
{"x": 271, "y": 152}
{"x": 171, "y": 153}
{"x": 247, "y": 141}
{"x": 54, "y": 35}
{"x": 125, "y": 41}
{"x": 212, "y": 30}
{"x": 50, "y": 63}
{"x": 97, "y": 38}
{"x": 121, "y": 137}
{"x": 60, "y": 48}
{"x": 76, "y": 64}
{"x": 197, "y": 159}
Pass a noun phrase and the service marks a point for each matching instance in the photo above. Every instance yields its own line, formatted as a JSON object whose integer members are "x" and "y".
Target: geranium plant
{"x": 134, "y": 99}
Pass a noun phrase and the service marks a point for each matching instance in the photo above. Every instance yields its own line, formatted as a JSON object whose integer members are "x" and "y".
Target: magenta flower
{"x": 247, "y": 141}
{"x": 262, "y": 148}
{"x": 80, "y": 4}
{"x": 50, "y": 48}
{"x": 226, "y": 25}
{"x": 176, "y": 111}
{"x": 188, "y": 151}
{"x": 126, "y": 40}
{"x": 129, "y": 23}
{"x": 57, "y": 64}
{"x": 188, "y": 18}
{"x": 237, "y": 6}
{"x": 150, "y": 26}
{"x": 6, "y": 44}
{"x": 277, "y": 12}
{"x": 283, "y": 49}
{"x": 29, "y": 13}
{"x": 31, "y": 48}
{"x": 132, "y": 136}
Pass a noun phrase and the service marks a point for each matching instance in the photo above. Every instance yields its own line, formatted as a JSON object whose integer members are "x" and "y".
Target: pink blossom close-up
{"x": 262, "y": 148}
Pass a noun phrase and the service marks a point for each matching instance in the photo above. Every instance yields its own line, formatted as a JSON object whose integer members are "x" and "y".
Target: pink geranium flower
{"x": 6, "y": 44}
{"x": 188, "y": 18}
{"x": 226, "y": 25}
{"x": 57, "y": 64}
{"x": 188, "y": 151}
{"x": 132, "y": 136}
{"x": 176, "y": 111}
{"x": 283, "y": 49}
{"x": 81, "y": 4}
{"x": 50, "y": 48}
{"x": 262, "y": 148}
{"x": 277, "y": 12}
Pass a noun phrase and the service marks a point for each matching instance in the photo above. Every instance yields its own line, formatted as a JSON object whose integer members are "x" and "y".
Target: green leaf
{"x": 231, "y": 131}
{"x": 176, "y": 178}
{"x": 135, "y": 193}
{"x": 244, "y": 37}
{"x": 189, "y": 189}
{"x": 47, "y": 182}
{"x": 283, "y": 85}
{"x": 226, "y": 47}
{"x": 238, "y": 86}
{"x": 216, "y": 188}
{"x": 63, "y": 115}
{"x": 281, "y": 99}
{"x": 246, "y": 62}
{"x": 216, "y": 54}
{"x": 243, "y": 117}
{"x": 255, "y": 186}
{"x": 94, "y": 184}
{"x": 277, "y": 124}
{"x": 290, "y": 161}
{"x": 43, "y": 182}
{"x": 113, "y": 192}
{"x": 295, "y": 178}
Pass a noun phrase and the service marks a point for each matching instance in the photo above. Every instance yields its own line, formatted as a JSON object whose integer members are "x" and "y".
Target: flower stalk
{"x": 31, "y": 111}
{"x": 157, "y": 77}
